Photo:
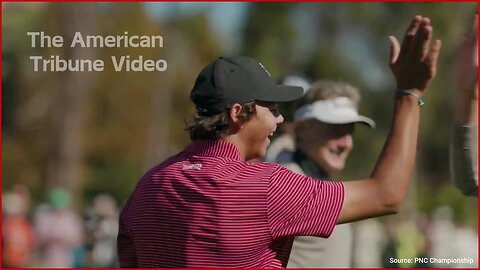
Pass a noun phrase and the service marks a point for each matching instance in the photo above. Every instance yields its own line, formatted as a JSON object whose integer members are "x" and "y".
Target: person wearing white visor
{"x": 324, "y": 121}
{"x": 339, "y": 110}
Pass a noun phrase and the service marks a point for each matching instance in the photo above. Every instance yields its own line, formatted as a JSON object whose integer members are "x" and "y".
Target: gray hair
{"x": 327, "y": 89}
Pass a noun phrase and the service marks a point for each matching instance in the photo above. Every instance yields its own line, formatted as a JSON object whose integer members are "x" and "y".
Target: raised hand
{"x": 466, "y": 83}
{"x": 467, "y": 62}
{"x": 414, "y": 64}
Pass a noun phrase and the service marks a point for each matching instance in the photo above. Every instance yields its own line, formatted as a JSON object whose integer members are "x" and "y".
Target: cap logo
{"x": 265, "y": 69}
{"x": 201, "y": 110}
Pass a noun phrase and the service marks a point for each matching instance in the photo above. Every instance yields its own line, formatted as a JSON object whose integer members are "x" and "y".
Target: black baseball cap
{"x": 237, "y": 79}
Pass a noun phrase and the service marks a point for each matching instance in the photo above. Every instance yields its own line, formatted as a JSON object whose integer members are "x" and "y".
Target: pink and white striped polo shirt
{"x": 206, "y": 207}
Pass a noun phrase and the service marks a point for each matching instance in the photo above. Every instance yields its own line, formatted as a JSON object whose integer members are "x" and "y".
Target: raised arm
{"x": 466, "y": 83}
{"x": 414, "y": 66}
{"x": 463, "y": 145}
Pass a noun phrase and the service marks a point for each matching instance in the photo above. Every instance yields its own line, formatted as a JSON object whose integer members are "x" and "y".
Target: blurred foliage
{"x": 131, "y": 121}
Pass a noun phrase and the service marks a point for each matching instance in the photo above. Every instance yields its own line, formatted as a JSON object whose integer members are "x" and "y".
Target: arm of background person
{"x": 463, "y": 145}
{"x": 414, "y": 67}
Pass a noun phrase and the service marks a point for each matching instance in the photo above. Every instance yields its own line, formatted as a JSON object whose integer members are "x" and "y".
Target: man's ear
{"x": 234, "y": 116}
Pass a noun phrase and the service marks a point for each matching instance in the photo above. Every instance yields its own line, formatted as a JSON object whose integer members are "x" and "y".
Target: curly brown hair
{"x": 215, "y": 127}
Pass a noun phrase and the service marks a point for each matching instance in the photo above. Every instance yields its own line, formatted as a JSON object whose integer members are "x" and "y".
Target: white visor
{"x": 340, "y": 110}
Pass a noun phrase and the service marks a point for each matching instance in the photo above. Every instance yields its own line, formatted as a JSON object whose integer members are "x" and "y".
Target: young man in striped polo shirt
{"x": 208, "y": 207}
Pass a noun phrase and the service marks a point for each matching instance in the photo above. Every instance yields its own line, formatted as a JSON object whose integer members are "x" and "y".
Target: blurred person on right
{"x": 463, "y": 145}
{"x": 324, "y": 121}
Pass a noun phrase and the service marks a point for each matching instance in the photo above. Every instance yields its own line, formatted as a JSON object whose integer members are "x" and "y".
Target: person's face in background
{"x": 328, "y": 145}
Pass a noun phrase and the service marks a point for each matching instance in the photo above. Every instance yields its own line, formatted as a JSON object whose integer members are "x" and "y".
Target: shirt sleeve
{"x": 302, "y": 205}
{"x": 463, "y": 159}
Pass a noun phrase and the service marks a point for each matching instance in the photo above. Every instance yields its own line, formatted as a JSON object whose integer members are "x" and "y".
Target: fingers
{"x": 420, "y": 43}
{"x": 394, "y": 49}
{"x": 468, "y": 49}
{"x": 410, "y": 34}
{"x": 473, "y": 35}
{"x": 415, "y": 65}
{"x": 473, "y": 31}
{"x": 432, "y": 56}
{"x": 422, "y": 40}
